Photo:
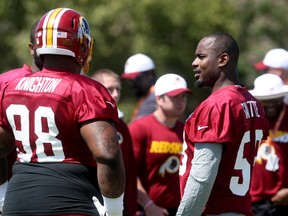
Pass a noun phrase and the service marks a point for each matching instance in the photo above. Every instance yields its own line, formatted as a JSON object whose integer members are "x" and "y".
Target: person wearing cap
{"x": 220, "y": 136}
{"x": 157, "y": 143}
{"x": 275, "y": 62}
{"x": 269, "y": 185}
{"x": 139, "y": 69}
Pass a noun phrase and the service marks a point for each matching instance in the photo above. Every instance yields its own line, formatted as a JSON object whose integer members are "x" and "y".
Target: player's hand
{"x": 281, "y": 197}
{"x": 153, "y": 210}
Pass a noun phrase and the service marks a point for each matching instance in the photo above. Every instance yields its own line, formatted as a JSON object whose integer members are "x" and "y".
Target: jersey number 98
{"x": 21, "y": 130}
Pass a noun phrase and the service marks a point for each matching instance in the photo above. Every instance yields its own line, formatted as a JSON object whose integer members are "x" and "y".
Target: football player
{"x": 221, "y": 136}
{"x": 64, "y": 127}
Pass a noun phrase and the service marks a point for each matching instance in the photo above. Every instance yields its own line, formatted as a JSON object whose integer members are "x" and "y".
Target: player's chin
{"x": 198, "y": 83}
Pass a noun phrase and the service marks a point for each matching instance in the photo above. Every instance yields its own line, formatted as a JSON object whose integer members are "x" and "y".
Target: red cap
{"x": 260, "y": 66}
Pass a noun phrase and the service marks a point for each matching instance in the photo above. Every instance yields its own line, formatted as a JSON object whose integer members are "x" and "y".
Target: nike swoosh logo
{"x": 108, "y": 102}
{"x": 202, "y": 127}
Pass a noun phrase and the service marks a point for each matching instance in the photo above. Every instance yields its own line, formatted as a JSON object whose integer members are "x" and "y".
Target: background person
{"x": 112, "y": 82}
{"x": 139, "y": 69}
{"x": 157, "y": 143}
{"x": 220, "y": 136}
{"x": 63, "y": 124}
{"x": 269, "y": 186}
{"x": 275, "y": 62}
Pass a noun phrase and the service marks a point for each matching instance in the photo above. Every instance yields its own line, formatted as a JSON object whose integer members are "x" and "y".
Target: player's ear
{"x": 224, "y": 59}
{"x": 31, "y": 48}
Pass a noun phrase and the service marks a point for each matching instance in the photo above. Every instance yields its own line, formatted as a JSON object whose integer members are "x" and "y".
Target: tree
{"x": 166, "y": 30}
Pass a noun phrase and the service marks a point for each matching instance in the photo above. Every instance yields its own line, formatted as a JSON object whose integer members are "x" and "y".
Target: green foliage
{"x": 166, "y": 30}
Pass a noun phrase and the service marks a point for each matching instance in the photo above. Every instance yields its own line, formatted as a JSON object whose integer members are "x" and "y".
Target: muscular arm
{"x": 7, "y": 142}
{"x": 3, "y": 171}
{"x": 207, "y": 157}
{"x": 101, "y": 138}
{"x": 6, "y": 145}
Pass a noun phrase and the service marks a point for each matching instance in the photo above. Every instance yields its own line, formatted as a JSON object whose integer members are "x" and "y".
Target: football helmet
{"x": 64, "y": 31}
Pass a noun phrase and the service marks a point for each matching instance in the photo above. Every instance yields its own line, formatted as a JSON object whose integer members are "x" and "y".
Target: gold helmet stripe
{"x": 50, "y": 25}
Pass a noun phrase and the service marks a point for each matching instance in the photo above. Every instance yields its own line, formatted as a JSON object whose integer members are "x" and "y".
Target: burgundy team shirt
{"x": 130, "y": 195}
{"x": 53, "y": 121}
{"x": 232, "y": 117}
{"x": 157, "y": 150}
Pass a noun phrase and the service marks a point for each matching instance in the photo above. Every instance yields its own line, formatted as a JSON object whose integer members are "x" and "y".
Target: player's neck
{"x": 62, "y": 62}
{"x": 164, "y": 119}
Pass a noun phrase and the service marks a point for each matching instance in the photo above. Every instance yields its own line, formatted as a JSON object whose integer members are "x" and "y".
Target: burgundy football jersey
{"x": 232, "y": 117}
{"x": 15, "y": 73}
{"x": 157, "y": 150}
{"x": 270, "y": 172}
{"x": 4, "y": 79}
{"x": 130, "y": 195}
{"x": 45, "y": 111}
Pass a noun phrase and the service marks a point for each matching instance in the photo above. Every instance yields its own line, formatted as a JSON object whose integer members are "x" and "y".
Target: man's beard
{"x": 198, "y": 84}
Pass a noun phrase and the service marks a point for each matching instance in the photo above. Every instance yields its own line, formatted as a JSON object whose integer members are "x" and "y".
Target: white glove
{"x": 112, "y": 206}
{"x": 3, "y": 189}
{"x": 101, "y": 209}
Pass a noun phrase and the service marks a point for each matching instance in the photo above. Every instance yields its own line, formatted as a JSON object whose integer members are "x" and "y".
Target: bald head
{"x": 216, "y": 61}
{"x": 224, "y": 43}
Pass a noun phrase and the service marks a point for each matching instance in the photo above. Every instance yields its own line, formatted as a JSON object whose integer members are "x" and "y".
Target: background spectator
{"x": 139, "y": 69}
{"x": 269, "y": 186}
{"x": 157, "y": 143}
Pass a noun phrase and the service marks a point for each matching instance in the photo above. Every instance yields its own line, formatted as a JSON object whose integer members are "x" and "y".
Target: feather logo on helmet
{"x": 64, "y": 31}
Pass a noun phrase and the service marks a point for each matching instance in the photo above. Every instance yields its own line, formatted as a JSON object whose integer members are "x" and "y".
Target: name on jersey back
{"x": 250, "y": 109}
{"x": 38, "y": 84}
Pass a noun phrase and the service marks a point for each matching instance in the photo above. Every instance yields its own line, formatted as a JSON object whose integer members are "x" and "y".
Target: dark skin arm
{"x": 3, "y": 171}
{"x": 7, "y": 144}
{"x": 101, "y": 138}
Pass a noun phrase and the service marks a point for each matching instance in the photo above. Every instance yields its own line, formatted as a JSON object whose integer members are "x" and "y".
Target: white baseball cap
{"x": 269, "y": 86}
{"x": 171, "y": 85}
{"x": 274, "y": 58}
{"x": 137, "y": 64}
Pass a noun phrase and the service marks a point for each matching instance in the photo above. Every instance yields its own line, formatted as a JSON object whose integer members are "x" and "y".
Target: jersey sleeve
{"x": 213, "y": 124}
{"x": 95, "y": 103}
